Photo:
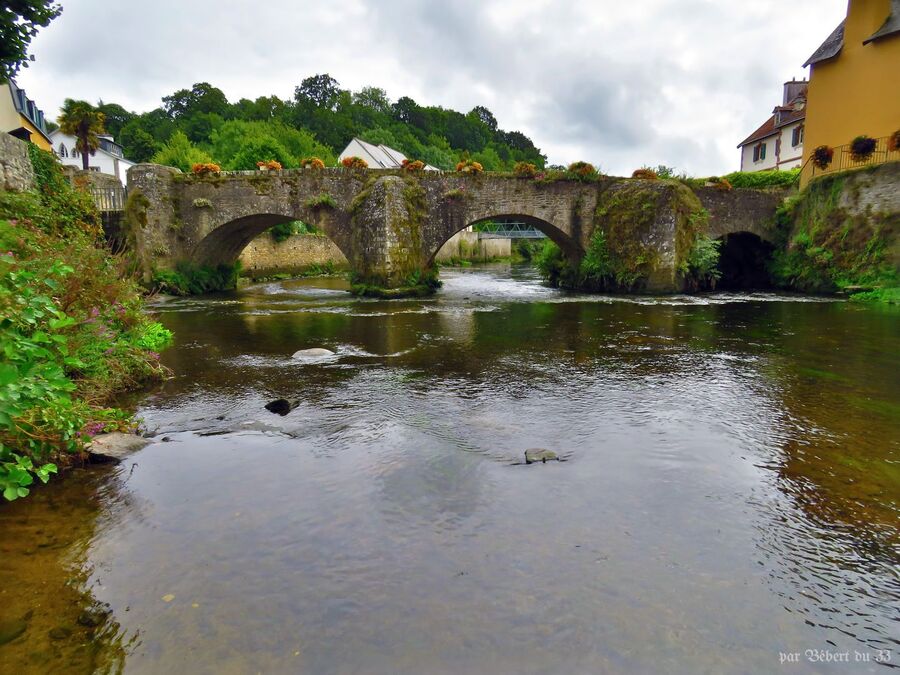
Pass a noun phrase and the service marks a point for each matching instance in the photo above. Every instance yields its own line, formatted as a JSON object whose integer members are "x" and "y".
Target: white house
{"x": 377, "y": 156}
{"x": 109, "y": 157}
{"x": 778, "y": 143}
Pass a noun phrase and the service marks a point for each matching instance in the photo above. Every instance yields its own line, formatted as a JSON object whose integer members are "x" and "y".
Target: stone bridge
{"x": 390, "y": 224}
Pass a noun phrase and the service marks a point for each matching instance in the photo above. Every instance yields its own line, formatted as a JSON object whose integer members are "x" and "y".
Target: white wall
{"x": 101, "y": 161}
{"x": 778, "y": 155}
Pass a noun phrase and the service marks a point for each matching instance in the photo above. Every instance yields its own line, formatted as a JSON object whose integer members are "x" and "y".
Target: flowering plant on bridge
{"x": 894, "y": 141}
{"x": 645, "y": 174}
{"x": 469, "y": 166}
{"x": 524, "y": 170}
{"x": 718, "y": 182}
{"x": 269, "y": 165}
{"x": 205, "y": 169}
{"x": 354, "y": 163}
{"x": 312, "y": 163}
{"x": 822, "y": 156}
{"x": 413, "y": 165}
{"x": 861, "y": 148}
{"x": 582, "y": 170}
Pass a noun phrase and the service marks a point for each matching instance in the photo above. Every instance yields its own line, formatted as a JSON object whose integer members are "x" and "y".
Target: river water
{"x": 727, "y": 503}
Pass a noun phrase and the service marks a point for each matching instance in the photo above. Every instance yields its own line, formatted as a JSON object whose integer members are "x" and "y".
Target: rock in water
{"x": 11, "y": 629}
{"x": 534, "y": 455}
{"x": 281, "y": 406}
{"x": 115, "y": 446}
{"x": 314, "y": 353}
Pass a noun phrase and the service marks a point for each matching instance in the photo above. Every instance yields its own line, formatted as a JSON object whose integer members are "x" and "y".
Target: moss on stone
{"x": 828, "y": 243}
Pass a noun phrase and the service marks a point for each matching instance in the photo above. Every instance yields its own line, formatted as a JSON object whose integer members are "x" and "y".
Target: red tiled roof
{"x": 766, "y": 130}
{"x": 789, "y": 114}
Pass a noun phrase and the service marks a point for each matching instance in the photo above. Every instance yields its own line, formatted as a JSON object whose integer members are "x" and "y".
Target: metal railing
{"x": 109, "y": 198}
{"x": 508, "y": 230}
{"x": 842, "y": 160}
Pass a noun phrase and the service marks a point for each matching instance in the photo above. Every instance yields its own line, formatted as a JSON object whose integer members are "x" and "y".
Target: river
{"x": 727, "y": 500}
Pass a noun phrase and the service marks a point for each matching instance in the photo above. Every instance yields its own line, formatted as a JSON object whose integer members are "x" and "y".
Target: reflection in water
{"x": 729, "y": 493}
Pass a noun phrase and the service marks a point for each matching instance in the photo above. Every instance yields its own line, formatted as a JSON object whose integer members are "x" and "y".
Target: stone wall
{"x": 16, "y": 172}
{"x": 264, "y": 257}
{"x": 469, "y": 246}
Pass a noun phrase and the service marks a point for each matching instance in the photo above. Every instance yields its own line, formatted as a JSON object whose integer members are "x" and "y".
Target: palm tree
{"x": 81, "y": 120}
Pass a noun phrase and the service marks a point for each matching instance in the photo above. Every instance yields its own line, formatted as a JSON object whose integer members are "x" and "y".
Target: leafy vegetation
{"x": 323, "y": 200}
{"x": 759, "y": 180}
{"x": 179, "y": 152}
{"x": 582, "y": 170}
{"x": 701, "y": 267}
{"x": 825, "y": 246}
{"x": 19, "y": 22}
{"x": 81, "y": 120}
{"x": 318, "y": 121}
{"x": 73, "y": 331}
{"x": 191, "y": 279}
{"x": 284, "y": 231}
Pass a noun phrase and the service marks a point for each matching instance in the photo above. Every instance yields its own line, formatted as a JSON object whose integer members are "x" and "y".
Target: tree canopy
{"x": 19, "y": 23}
{"x": 319, "y": 120}
{"x": 83, "y": 121}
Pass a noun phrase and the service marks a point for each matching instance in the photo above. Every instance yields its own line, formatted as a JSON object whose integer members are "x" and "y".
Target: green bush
{"x": 763, "y": 179}
{"x": 190, "y": 279}
{"x": 73, "y": 333}
{"x": 321, "y": 201}
{"x": 701, "y": 268}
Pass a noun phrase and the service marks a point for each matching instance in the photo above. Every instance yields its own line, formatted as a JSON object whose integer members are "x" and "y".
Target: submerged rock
{"x": 93, "y": 617}
{"x": 534, "y": 455}
{"x": 11, "y": 629}
{"x": 314, "y": 353}
{"x": 281, "y": 406}
{"x": 115, "y": 446}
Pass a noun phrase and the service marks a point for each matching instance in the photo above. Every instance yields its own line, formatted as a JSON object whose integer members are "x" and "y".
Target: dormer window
{"x": 62, "y": 150}
{"x": 759, "y": 152}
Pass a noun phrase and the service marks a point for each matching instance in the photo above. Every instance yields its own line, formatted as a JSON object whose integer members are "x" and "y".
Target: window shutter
{"x": 762, "y": 151}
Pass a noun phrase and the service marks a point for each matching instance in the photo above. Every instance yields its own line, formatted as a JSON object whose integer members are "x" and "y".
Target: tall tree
{"x": 81, "y": 120}
{"x": 201, "y": 98}
{"x": 19, "y": 21}
{"x": 322, "y": 91}
{"x": 115, "y": 116}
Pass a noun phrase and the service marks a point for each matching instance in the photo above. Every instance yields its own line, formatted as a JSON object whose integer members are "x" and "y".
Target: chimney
{"x": 793, "y": 89}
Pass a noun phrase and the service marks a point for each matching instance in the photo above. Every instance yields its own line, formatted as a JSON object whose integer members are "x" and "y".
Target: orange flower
{"x": 205, "y": 168}
{"x": 355, "y": 163}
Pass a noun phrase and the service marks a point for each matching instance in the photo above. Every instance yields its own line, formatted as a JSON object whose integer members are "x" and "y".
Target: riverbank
{"x": 75, "y": 334}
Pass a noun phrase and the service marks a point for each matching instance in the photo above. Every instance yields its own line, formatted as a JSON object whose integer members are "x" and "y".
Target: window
{"x": 797, "y": 135}
{"x": 759, "y": 152}
{"x": 62, "y": 150}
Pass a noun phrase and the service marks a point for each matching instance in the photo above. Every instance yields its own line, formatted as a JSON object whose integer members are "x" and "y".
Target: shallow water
{"x": 728, "y": 496}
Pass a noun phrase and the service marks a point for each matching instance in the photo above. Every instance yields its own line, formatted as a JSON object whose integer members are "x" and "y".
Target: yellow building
{"x": 853, "y": 82}
{"x": 20, "y": 116}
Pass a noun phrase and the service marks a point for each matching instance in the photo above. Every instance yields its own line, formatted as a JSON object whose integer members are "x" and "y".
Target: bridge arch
{"x": 224, "y": 243}
{"x": 744, "y": 259}
{"x": 570, "y": 247}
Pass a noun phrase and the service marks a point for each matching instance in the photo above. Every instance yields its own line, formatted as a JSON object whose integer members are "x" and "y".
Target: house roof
{"x": 830, "y": 48}
{"x": 381, "y": 156}
{"x": 890, "y": 26}
{"x": 784, "y": 114}
{"x": 27, "y": 108}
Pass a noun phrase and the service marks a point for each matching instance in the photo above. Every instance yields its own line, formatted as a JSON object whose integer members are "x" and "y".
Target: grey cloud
{"x": 673, "y": 81}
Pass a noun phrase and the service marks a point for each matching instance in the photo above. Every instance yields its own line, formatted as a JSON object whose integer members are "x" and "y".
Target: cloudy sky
{"x": 618, "y": 83}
